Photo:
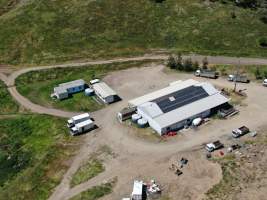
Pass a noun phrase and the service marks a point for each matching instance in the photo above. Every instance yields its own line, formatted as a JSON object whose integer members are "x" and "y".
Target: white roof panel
{"x": 190, "y": 110}
{"x": 151, "y": 109}
{"x": 209, "y": 88}
{"x": 162, "y": 92}
{"x": 137, "y": 188}
{"x": 103, "y": 89}
{"x": 60, "y": 90}
{"x": 71, "y": 84}
{"x": 81, "y": 116}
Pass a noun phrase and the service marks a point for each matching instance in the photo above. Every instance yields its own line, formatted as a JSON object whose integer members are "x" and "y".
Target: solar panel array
{"x": 181, "y": 98}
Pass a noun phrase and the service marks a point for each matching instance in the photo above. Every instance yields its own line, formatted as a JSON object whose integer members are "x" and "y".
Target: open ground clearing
{"x": 153, "y": 159}
{"x": 56, "y": 31}
{"x": 244, "y": 175}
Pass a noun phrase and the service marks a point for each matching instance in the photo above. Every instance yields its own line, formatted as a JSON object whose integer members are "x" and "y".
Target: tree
{"x": 265, "y": 74}
{"x": 179, "y": 62}
{"x": 205, "y": 63}
{"x": 171, "y": 63}
{"x": 257, "y": 73}
{"x": 195, "y": 65}
{"x": 188, "y": 65}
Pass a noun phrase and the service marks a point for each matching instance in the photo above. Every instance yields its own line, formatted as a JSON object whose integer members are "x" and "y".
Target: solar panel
{"x": 180, "y": 98}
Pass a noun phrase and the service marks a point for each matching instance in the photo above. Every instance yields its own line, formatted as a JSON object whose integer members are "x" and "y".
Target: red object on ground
{"x": 221, "y": 153}
{"x": 172, "y": 133}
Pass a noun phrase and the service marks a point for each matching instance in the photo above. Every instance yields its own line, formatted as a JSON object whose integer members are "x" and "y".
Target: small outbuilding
{"x": 105, "y": 93}
{"x": 62, "y": 91}
{"x": 137, "y": 193}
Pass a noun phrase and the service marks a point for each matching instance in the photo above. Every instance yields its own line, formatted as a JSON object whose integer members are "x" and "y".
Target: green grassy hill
{"x": 34, "y": 150}
{"x": 42, "y": 31}
{"x": 7, "y": 104}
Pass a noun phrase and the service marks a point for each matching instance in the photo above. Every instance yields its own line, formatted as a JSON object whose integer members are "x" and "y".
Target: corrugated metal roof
{"x": 162, "y": 92}
{"x": 209, "y": 88}
{"x": 81, "y": 116}
{"x": 213, "y": 98}
{"x": 190, "y": 110}
{"x": 151, "y": 109}
{"x": 103, "y": 90}
{"x": 60, "y": 90}
{"x": 71, "y": 84}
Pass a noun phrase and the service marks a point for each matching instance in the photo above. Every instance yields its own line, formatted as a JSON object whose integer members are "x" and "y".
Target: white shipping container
{"x": 77, "y": 119}
{"x": 82, "y": 127}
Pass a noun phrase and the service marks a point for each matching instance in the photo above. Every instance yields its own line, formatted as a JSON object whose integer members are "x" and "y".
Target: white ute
{"x": 82, "y": 127}
{"x": 77, "y": 119}
{"x": 94, "y": 81}
{"x": 210, "y": 147}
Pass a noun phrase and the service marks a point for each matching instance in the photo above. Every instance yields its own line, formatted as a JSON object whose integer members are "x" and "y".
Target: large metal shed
{"x": 175, "y": 106}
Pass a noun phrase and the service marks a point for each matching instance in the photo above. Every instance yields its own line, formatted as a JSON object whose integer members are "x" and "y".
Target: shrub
{"x": 263, "y": 42}
{"x": 257, "y": 73}
{"x": 171, "y": 63}
{"x": 205, "y": 63}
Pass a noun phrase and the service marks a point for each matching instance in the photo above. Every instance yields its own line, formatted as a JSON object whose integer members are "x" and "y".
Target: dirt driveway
{"x": 140, "y": 158}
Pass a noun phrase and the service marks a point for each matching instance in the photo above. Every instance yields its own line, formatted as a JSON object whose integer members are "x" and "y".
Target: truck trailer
{"x": 77, "y": 119}
{"x": 82, "y": 127}
{"x": 126, "y": 113}
{"x": 207, "y": 73}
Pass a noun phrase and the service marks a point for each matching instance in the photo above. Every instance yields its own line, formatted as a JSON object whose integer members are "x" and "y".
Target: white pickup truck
{"x": 240, "y": 131}
{"x": 210, "y": 147}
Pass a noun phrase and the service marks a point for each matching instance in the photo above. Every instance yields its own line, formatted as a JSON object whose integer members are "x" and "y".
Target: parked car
{"x": 240, "y": 131}
{"x": 94, "y": 81}
{"x": 264, "y": 83}
{"x": 238, "y": 78}
{"x": 207, "y": 73}
{"x": 210, "y": 147}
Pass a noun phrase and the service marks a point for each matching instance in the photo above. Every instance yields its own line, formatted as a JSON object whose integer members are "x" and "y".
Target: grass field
{"x": 87, "y": 171}
{"x": 38, "y": 85}
{"x": 96, "y": 192}
{"x": 33, "y": 154}
{"x": 55, "y": 31}
{"x": 7, "y": 104}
